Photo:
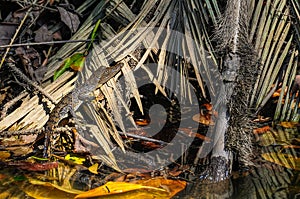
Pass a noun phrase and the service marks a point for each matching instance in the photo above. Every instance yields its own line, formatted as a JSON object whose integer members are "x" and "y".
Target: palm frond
{"x": 276, "y": 54}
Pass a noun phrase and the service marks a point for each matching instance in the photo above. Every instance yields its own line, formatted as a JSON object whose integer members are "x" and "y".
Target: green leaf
{"x": 19, "y": 178}
{"x": 75, "y": 62}
{"x": 93, "y": 36}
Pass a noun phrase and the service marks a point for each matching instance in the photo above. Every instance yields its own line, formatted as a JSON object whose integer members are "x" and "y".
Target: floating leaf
{"x": 203, "y": 119}
{"x": 75, "y": 62}
{"x": 65, "y": 187}
{"x": 46, "y": 190}
{"x": 124, "y": 190}
{"x": 152, "y": 188}
{"x": 76, "y": 160}
{"x": 172, "y": 186}
{"x": 286, "y": 160}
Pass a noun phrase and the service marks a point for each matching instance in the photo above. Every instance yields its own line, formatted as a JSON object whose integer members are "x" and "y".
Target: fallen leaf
{"x": 124, "y": 190}
{"x": 172, "y": 186}
{"x": 34, "y": 166}
{"x": 66, "y": 189}
{"x": 142, "y": 122}
{"x": 76, "y": 160}
{"x": 46, "y": 191}
{"x": 261, "y": 130}
{"x": 43, "y": 34}
{"x": 4, "y": 155}
{"x": 69, "y": 18}
{"x": 94, "y": 168}
{"x": 203, "y": 119}
{"x": 289, "y": 124}
{"x": 7, "y": 30}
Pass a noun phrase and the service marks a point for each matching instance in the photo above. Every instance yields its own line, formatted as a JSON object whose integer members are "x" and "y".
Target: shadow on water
{"x": 276, "y": 182}
{"x": 275, "y": 174}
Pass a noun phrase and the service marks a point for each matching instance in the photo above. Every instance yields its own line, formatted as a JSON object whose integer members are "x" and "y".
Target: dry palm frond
{"x": 274, "y": 47}
{"x": 284, "y": 112}
{"x": 295, "y": 7}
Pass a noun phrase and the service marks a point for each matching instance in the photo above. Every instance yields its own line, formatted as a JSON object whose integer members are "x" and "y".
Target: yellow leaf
{"x": 61, "y": 188}
{"x": 173, "y": 186}
{"x": 124, "y": 190}
{"x": 158, "y": 188}
{"x": 46, "y": 190}
{"x": 76, "y": 160}
{"x": 288, "y": 124}
{"x": 94, "y": 168}
{"x": 286, "y": 160}
{"x": 4, "y": 155}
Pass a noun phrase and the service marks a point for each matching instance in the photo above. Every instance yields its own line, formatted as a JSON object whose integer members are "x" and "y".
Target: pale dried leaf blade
{"x": 131, "y": 83}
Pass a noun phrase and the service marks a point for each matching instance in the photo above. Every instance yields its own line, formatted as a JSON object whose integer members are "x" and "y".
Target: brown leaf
{"x": 70, "y": 19}
{"x": 34, "y": 166}
{"x": 261, "y": 130}
{"x": 7, "y": 30}
{"x": 19, "y": 150}
{"x": 31, "y": 61}
{"x": 203, "y": 119}
{"x": 43, "y": 34}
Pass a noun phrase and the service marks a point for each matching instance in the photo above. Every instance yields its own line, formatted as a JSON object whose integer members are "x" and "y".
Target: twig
{"x": 29, "y": 81}
{"x": 15, "y": 35}
{"x": 46, "y": 42}
{"x": 143, "y": 138}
